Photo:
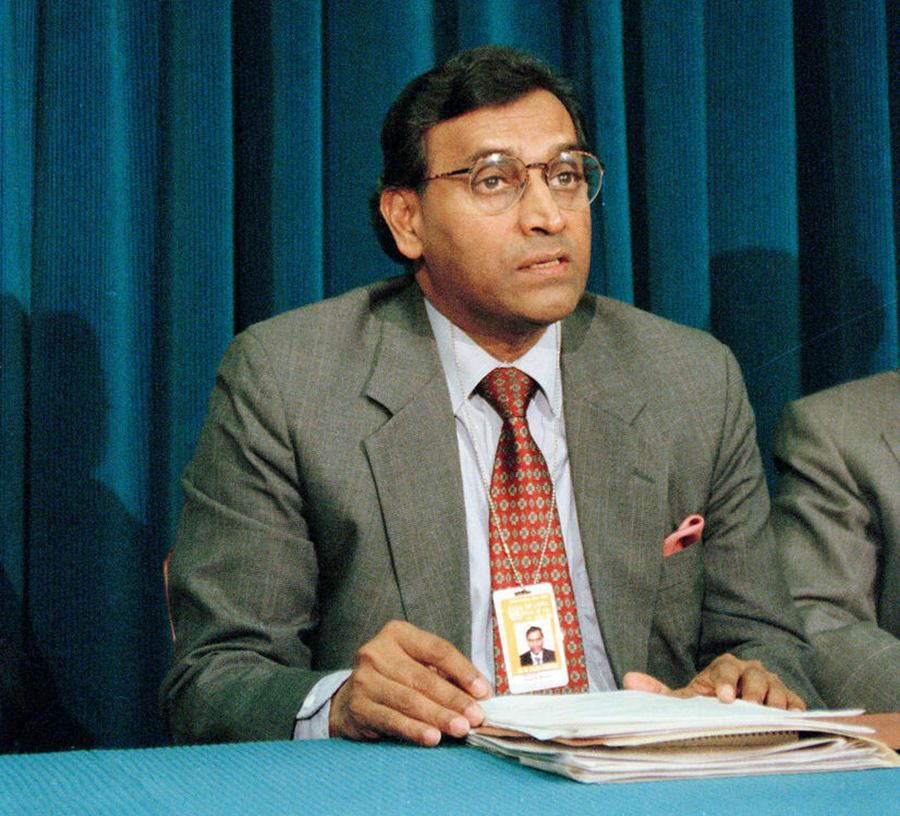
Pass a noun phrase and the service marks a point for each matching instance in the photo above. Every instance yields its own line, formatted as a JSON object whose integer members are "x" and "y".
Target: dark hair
{"x": 534, "y": 629}
{"x": 478, "y": 78}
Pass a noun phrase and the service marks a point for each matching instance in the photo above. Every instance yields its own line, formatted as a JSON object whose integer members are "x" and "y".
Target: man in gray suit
{"x": 331, "y": 573}
{"x": 536, "y": 654}
{"x": 837, "y": 521}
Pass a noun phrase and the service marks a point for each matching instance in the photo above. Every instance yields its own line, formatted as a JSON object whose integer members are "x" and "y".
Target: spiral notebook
{"x": 623, "y": 736}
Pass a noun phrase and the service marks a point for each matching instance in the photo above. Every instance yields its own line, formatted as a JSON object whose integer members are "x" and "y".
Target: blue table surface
{"x": 342, "y": 777}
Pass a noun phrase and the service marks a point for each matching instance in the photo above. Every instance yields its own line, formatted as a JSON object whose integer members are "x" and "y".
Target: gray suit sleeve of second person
{"x": 831, "y": 532}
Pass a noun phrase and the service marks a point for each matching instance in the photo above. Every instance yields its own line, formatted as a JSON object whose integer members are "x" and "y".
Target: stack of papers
{"x": 623, "y": 736}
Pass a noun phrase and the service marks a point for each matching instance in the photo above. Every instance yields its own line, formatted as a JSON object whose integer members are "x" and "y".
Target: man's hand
{"x": 726, "y": 678}
{"x": 408, "y": 684}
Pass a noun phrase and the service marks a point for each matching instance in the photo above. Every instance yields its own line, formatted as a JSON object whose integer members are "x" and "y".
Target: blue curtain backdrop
{"x": 171, "y": 171}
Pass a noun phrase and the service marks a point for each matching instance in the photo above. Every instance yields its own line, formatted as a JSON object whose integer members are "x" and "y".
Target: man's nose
{"x": 538, "y": 210}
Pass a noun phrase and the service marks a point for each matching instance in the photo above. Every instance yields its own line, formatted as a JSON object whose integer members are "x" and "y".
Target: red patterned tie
{"x": 521, "y": 492}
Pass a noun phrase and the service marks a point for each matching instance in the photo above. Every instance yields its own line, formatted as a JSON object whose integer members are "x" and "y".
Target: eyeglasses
{"x": 498, "y": 181}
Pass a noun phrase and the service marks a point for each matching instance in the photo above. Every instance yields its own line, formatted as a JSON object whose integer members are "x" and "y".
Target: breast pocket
{"x": 682, "y": 568}
{"x": 677, "y": 617}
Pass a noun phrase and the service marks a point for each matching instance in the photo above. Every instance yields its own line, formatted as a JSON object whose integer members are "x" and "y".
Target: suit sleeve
{"x": 747, "y": 608}
{"x": 828, "y": 531}
{"x": 243, "y": 572}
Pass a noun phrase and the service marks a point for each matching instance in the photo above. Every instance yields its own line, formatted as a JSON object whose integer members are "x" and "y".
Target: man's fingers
{"x": 407, "y": 684}
{"x": 726, "y": 678}
{"x": 426, "y": 664}
{"x": 770, "y": 691}
{"x": 759, "y": 686}
{"x": 424, "y": 692}
{"x": 431, "y": 650}
{"x": 795, "y": 701}
{"x": 775, "y": 695}
{"x": 723, "y": 677}
{"x": 355, "y": 716}
{"x": 638, "y": 681}
{"x": 730, "y": 678}
{"x": 380, "y": 707}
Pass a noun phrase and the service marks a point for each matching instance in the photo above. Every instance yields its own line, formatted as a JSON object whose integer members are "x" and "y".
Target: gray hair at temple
{"x": 482, "y": 77}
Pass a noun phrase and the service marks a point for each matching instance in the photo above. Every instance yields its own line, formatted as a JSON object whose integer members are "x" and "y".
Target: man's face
{"x": 535, "y": 642}
{"x": 501, "y": 278}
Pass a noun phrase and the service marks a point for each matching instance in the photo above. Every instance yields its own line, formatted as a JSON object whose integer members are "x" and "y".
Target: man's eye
{"x": 565, "y": 179}
{"x": 493, "y": 183}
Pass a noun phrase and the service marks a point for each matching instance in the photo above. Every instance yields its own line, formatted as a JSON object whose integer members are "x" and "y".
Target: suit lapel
{"x": 619, "y": 481}
{"x": 415, "y": 465}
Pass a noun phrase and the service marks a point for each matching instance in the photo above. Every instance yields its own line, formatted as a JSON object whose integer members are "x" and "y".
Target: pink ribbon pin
{"x": 687, "y": 533}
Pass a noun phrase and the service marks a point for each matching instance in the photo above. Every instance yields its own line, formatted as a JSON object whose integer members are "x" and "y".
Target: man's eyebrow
{"x": 488, "y": 151}
{"x": 555, "y": 150}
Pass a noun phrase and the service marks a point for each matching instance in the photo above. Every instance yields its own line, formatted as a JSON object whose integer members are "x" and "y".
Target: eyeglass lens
{"x": 498, "y": 181}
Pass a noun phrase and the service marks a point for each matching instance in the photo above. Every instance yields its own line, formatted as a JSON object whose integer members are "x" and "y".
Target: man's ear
{"x": 400, "y": 209}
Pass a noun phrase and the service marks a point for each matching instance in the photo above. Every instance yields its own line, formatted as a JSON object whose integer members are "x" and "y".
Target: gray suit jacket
{"x": 837, "y": 518}
{"x": 547, "y": 656}
{"x": 325, "y": 499}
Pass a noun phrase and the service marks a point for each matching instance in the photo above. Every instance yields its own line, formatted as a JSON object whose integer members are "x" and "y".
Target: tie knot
{"x": 508, "y": 390}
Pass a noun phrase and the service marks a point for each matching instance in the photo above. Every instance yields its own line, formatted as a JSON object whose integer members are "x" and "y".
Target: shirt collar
{"x": 539, "y": 362}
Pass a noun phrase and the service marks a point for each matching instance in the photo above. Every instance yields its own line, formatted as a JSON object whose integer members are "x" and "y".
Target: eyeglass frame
{"x": 543, "y": 165}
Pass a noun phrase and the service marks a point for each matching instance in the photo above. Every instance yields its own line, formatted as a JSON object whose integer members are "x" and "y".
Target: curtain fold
{"x": 171, "y": 172}
{"x": 600, "y": 74}
{"x": 753, "y": 243}
{"x": 676, "y": 164}
{"x": 846, "y": 201}
{"x": 18, "y": 44}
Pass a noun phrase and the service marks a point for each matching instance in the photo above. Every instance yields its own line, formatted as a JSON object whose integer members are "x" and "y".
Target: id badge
{"x": 532, "y": 643}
